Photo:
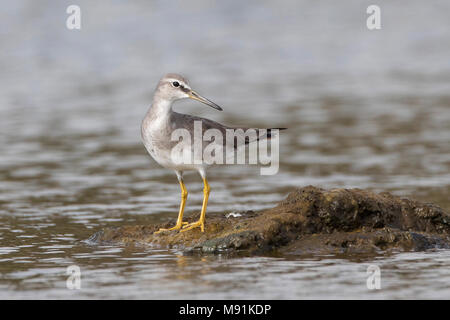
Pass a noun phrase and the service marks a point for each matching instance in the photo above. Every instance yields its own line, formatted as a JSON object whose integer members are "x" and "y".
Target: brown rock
{"x": 309, "y": 220}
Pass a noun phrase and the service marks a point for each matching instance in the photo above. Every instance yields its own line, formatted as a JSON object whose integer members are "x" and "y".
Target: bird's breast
{"x": 156, "y": 140}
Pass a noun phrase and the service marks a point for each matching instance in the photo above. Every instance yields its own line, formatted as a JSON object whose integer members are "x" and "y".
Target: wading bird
{"x": 157, "y": 128}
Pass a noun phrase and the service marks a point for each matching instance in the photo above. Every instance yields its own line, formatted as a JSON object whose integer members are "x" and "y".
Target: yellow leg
{"x": 180, "y": 222}
{"x": 201, "y": 222}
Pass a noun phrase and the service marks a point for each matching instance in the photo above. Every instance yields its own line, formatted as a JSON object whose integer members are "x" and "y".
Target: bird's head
{"x": 174, "y": 87}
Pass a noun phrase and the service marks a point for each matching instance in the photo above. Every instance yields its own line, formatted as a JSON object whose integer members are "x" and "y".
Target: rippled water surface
{"x": 366, "y": 109}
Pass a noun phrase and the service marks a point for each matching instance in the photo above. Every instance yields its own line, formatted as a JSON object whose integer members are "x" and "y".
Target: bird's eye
{"x": 176, "y": 84}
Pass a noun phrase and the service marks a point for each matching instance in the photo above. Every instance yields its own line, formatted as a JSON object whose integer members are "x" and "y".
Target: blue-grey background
{"x": 367, "y": 109}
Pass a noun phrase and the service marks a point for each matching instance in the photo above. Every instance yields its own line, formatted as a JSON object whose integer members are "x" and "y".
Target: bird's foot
{"x": 193, "y": 225}
{"x": 178, "y": 226}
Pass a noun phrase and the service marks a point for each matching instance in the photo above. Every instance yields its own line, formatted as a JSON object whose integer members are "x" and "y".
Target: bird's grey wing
{"x": 236, "y": 136}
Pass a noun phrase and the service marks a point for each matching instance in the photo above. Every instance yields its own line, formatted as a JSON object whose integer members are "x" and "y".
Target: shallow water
{"x": 364, "y": 109}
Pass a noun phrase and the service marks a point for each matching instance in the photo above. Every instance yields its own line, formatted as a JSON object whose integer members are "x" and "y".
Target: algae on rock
{"x": 309, "y": 220}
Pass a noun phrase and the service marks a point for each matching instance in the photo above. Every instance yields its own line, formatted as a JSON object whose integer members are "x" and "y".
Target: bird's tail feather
{"x": 268, "y": 134}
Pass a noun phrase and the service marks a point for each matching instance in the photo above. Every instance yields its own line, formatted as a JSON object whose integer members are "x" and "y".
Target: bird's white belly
{"x": 164, "y": 156}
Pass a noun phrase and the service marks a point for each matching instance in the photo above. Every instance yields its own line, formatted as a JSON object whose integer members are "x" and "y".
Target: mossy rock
{"x": 309, "y": 220}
